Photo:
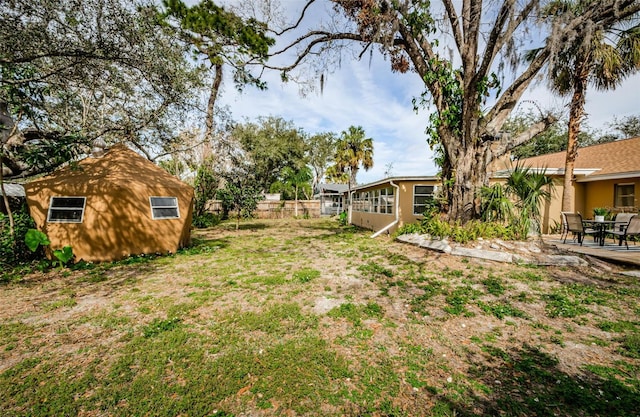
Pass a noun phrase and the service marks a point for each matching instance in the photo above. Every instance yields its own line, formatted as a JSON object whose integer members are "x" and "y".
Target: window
{"x": 422, "y": 196}
{"x": 164, "y": 208}
{"x": 625, "y": 195}
{"x": 66, "y": 209}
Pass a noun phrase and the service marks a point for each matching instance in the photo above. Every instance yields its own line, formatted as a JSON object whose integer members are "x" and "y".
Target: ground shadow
{"x": 528, "y": 382}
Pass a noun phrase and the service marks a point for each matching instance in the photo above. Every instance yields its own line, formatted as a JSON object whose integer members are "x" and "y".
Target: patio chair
{"x": 622, "y": 221}
{"x": 632, "y": 229}
{"x": 574, "y": 225}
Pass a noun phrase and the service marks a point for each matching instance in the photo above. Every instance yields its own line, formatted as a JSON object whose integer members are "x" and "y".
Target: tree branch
{"x": 507, "y": 143}
{"x": 295, "y": 26}
{"x": 455, "y": 25}
{"x": 493, "y": 46}
{"x": 323, "y": 37}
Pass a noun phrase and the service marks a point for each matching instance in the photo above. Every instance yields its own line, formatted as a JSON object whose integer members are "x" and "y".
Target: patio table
{"x": 600, "y": 226}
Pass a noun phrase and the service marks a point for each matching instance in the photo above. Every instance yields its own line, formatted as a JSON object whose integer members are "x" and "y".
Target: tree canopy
{"x": 271, "y": 144}
{"x": 83, "y": 71}
{"x": 320, "y": 152}
{"x": 222, "y": 39}
{"x": 353, "y": 150}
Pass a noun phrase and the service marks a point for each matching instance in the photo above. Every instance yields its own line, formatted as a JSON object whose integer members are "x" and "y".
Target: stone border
{"x": 505, "y": 252}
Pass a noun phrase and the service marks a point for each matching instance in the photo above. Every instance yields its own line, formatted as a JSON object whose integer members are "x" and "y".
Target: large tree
{"x": 459, "y": 75}
{"x": 271, "y": 144}
{"x": 604, "y": 56}
{"x": 83, "y": 71}
{"x": 321, "y": 149}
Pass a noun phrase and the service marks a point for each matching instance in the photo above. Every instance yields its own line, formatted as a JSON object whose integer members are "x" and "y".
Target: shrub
{"x": 14, "y": 250}
{"x": 472, "y": 230}
{"x": 206, "y": 220}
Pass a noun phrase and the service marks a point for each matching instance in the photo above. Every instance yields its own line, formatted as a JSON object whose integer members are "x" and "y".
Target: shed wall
{"x": 117, "y": 222}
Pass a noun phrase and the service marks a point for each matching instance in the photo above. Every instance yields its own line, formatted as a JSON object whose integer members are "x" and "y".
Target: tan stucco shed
{"x": 109, "y": 207}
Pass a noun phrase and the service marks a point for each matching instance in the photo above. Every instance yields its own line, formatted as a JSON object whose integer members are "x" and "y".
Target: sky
{"x": 366, "y": 93}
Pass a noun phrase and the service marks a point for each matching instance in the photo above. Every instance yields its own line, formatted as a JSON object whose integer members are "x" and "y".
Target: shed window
{"x": 625, "y": 195}
{"x": 422, "y": 195}
{"x": 66, "y": 209}
{"x": 164, "y": 207}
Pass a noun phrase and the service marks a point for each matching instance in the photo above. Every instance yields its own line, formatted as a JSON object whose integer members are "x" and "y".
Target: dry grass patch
{"x": 304, "y": 317}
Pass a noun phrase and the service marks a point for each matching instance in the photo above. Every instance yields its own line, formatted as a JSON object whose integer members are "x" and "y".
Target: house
{"x": 606, "y": 175}
{"x": 331, "y": 198}
{"x": 385, "y": 205}
{"x": 109, "y": 207}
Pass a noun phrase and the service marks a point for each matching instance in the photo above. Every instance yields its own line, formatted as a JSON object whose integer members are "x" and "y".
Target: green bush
{"x": 206, "y": 220}
{"x": 14, "y": 251}
{"x": 472, "y": 230}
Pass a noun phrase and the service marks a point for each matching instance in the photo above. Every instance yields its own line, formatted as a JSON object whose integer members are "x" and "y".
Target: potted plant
{"x": 599, "y": 213}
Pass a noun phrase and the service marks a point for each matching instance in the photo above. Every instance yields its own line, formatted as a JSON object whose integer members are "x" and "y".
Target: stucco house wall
{"x": 370, "y": 215}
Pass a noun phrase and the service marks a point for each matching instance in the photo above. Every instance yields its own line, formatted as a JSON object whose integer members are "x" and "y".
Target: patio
{"x": 610, "y": 251}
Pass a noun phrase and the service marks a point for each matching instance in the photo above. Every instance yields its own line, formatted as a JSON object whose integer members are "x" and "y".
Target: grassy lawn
{"x": 304, "y": 317}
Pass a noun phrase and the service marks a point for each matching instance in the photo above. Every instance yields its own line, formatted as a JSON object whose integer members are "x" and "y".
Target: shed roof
{"x": 119, "y": 165}
{"x": 620, "y": 158}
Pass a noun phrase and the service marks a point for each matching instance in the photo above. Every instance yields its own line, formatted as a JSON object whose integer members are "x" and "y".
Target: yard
{"x": 305, "y": 317}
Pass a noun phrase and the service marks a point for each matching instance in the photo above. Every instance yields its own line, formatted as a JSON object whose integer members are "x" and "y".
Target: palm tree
{"x": 353, "y": 150}
{"x": 604, "y": 58}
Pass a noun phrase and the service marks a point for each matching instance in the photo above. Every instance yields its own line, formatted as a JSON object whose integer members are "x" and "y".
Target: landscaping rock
{"x": 437, "y": 245}
{"x": 483, "y": 254}
{"x": 497, "y": 250}
{"x": 560, "y": 260}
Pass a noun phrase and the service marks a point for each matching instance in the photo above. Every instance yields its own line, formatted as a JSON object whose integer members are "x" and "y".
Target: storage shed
{"x": 109, "y": 207}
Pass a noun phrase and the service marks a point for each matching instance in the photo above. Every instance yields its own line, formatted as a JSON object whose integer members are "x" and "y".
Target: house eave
{"x": 582, "y": 172}
{"x": 395, "y": 179}
{"x": 613, "y": 176}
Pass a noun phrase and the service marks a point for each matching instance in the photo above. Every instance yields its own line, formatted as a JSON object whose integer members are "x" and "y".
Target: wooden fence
{"x": 277, "y": 209}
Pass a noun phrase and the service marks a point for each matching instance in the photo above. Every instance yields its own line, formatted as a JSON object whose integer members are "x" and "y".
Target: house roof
{"x": 396, "y": 180}
{"x": 618, "y": 159}
{"x": 333, "y": 188}
{"x": 14, "y": 190}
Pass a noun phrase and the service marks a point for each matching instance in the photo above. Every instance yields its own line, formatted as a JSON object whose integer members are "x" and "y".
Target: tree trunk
{"x": 576, "y": 113}
{"x": 296, "y": 203}
{"x": 8, "y": 129}
{"x": 12, "y": 228}
{"x": 463, "y": 173}
{"x": 211, "y": 106}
